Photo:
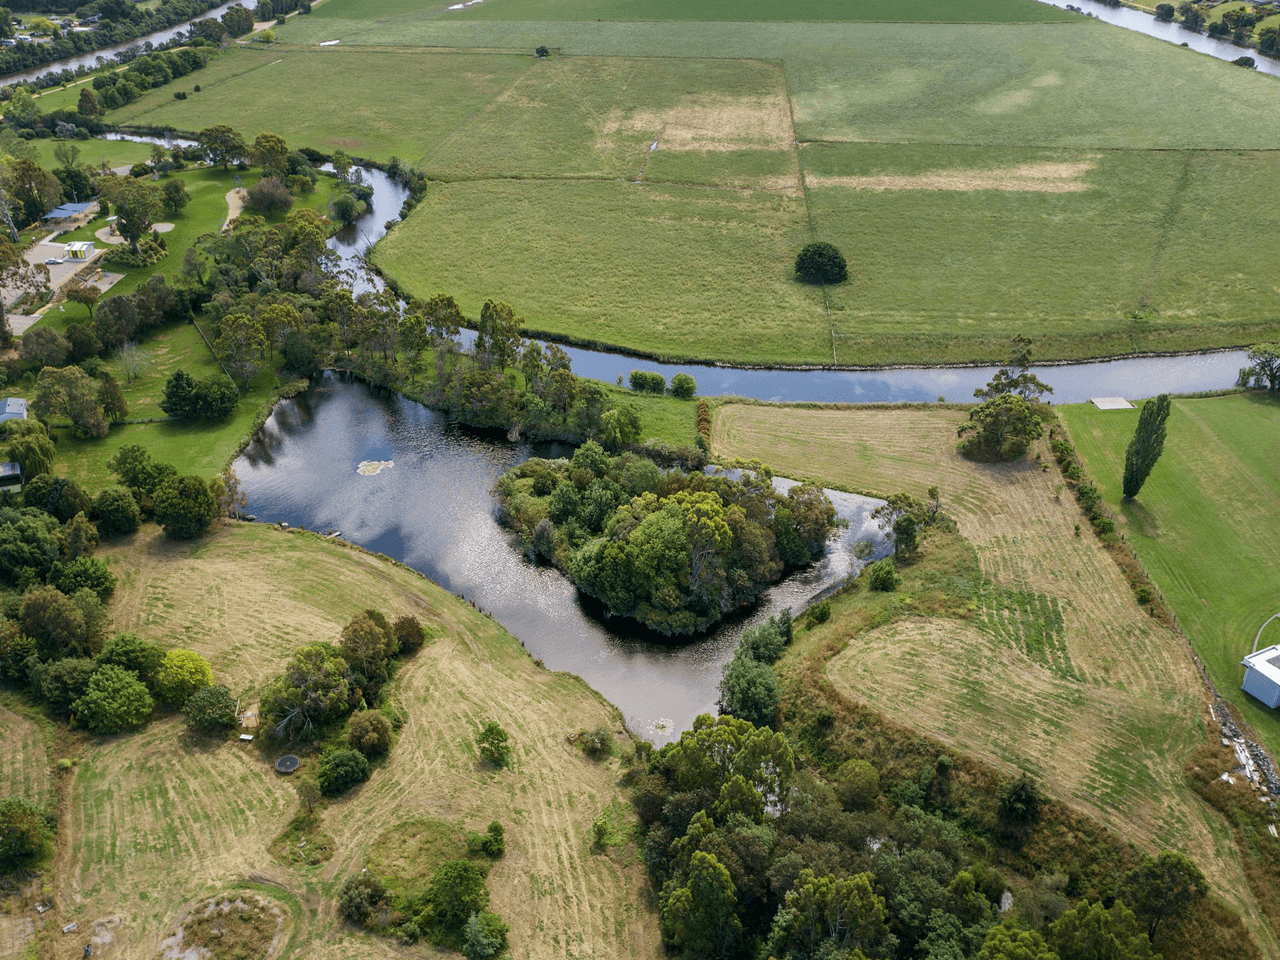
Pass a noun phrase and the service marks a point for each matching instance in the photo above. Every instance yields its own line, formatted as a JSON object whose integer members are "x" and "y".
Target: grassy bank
{"x": 1199, "y": 524}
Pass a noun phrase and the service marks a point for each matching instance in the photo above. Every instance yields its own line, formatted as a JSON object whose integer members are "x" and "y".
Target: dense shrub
{"x": 598, "y": 743}
{"x": 369, "y": 732}
{"x": 409, "y": 635}
{"x": 115, "y": 700}
{"x": 270, "y": 195}
{"x": 83, "y": 573}
{"x": 56, "y": 496}
{"x": 184, "y": 507}
{"x": 492, "y": 843}
{"x": 821, "y": 263}
{"x": 23, "y": 832}
{"x": 683, "y": 386}
{"x": 882, "y": 576}
{"x": 360, "y": 896}
{"x": 648, "y": 381}
{"x": 132, "y": 653}
{"x": 116, "y": 512}
{"x": 211, "y": 709}
{"x": 181, "y": 674}
{"x": 209, "y": 398}
{"x": 340, "y": 770}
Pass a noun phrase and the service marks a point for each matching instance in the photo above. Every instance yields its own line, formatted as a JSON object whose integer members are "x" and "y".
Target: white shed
{"x": 80, "y": 250}
{"x": 1262, "y": 675}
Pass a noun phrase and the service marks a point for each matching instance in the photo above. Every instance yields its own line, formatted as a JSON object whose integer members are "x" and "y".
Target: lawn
{"x": 1203, "y": 524}
{"x": 1055, "y": 668}
{"x": 983, "y": 11}
{"x": 696, "y": 273}
{"x": 157, "y": 820}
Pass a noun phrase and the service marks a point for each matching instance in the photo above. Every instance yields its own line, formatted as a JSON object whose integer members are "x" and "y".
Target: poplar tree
{"x": 1147, "y": 444}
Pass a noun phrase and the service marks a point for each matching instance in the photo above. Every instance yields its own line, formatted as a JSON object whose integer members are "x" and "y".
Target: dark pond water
{"x": 433, "y": 510}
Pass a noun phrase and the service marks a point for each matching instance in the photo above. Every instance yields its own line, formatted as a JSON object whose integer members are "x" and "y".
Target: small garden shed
{"x": 1262, "y": 675}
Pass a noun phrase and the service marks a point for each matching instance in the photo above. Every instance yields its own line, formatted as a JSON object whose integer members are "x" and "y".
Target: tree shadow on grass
{"x": 1140, "y": 519}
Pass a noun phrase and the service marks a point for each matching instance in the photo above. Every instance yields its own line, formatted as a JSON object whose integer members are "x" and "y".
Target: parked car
{"x": 51, "y": 261}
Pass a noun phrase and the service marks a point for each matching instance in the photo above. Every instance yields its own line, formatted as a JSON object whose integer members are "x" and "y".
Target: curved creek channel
{"x": 432, "y": 507}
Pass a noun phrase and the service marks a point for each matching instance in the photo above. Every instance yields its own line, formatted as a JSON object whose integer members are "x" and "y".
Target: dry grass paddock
{"x": 1058, "y": 671}
{"x": 155, "y": 822}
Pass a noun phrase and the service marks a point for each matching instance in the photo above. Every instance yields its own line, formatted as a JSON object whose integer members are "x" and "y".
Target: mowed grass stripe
{"x": 1200, "y": 523}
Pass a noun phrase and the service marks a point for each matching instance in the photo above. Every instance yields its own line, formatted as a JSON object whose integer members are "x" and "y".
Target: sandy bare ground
{"x": 235, "y": 205}
{"x": 1109, "y": 727}
{"x": 1028, "y": 177}
{"x": 158, "y": 822}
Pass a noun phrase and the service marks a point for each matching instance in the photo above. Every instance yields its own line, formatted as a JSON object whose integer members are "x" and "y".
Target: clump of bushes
{"x": 648, "y": 381}
{"x": 340, "y": 770}
{"x": 882, "y": 576}
{"x": 492, "y": 843}
{"x": 598, "y": 743}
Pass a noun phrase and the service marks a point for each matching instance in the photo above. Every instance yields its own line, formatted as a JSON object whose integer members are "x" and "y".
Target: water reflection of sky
{"x": 434, "y": 511}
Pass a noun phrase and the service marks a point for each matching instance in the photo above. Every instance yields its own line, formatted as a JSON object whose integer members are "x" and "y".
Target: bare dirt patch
{"x": 1024, "y": 178}
{"x": 1107, "y": 716}
{"x": 725, "y": 123}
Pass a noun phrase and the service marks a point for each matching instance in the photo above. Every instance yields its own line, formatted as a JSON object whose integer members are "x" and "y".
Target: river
{"x": 91, "y": 59}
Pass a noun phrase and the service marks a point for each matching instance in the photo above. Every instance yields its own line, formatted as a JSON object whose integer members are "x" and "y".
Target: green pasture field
{"x": 696, "y": 273}
{"x": 1131, "y": 255}
{"x": 945, "y": 11}
{"x": 1083, "y": 84}
{"x": 386, "y": 103}
{"x": 1204, "y": 523}
{"x": 596, "y": 117}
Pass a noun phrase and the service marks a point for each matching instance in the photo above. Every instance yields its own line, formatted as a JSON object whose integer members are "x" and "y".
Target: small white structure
{"x": 1111, "y": 403}
{"x": 15, "y": 408}
{"x": 82, "y": 250}
{"x": 1262, "y": 675}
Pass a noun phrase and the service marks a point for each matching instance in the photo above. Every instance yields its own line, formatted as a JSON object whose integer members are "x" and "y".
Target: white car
{"x": 51, "y": 261}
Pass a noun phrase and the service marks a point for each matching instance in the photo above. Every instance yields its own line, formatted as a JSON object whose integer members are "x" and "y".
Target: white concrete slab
{"x": 1111, "y": 403}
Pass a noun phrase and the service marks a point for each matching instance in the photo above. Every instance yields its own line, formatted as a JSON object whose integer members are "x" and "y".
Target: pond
{"x": 424, "y": 498}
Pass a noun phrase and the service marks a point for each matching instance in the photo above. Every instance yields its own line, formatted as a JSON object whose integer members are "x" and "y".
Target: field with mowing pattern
{"x": 1058, "y": 670}
{"x": 981, "y": 11}
{"x": 1203, "y": 524}
{"x": 158, "y": 822}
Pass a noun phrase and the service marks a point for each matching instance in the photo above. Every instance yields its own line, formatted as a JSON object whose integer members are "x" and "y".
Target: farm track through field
{"x": 1110, "y": 729}
{"x": 156, "y": 821}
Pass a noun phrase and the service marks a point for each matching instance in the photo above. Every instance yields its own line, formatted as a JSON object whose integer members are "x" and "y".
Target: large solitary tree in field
{"x": 1147, "y": 444}
{"x": 821, "y": 263}
{"x": 1162, "y": 887}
